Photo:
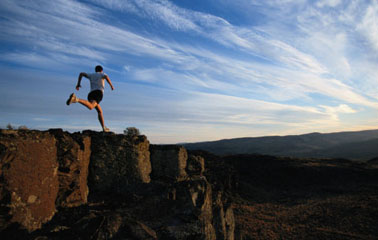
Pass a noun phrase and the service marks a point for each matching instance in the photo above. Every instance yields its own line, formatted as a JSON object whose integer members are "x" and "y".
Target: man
{"x": 97, "y": 81}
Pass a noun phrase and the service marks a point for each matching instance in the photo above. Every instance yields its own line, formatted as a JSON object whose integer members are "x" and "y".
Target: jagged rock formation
{"x": 119, "y": 163}
{"x": 73, "y": 155}
{"x": 29, "y": 178}
{"x": 169, "y": 161}
{"x": 94, "y": 185}
{"x": 196, "y": 165}
{"x": 39, "y": 172}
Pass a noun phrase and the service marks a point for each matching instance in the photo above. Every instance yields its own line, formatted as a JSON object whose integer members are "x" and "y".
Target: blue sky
{"x": 193, "y": 70}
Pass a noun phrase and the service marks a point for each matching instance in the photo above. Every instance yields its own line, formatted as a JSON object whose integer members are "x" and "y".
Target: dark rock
{"x": 373, "y": 162}
{"x": 169, "y": 162}
{"x": 42, "y": 171}
{"x": 73, "y": 155}
{"x": 29, "y": 179}
{"x": 194, "y": 209}
{"x": 196, "y": 165}
{"x": 224, "y": 222}
{"x": 139, "y": 230}
{"x": 119, "y": 163}
{"x": 230, "y": 223}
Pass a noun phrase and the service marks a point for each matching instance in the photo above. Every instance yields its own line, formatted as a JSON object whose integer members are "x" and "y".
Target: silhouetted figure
{"x": 97, "y": 81}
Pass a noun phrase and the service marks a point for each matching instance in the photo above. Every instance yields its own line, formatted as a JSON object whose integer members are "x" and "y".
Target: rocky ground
{"x": 90, "y": 185}
{"x": 56, "y": 185}
{"x": 286, "y": 198}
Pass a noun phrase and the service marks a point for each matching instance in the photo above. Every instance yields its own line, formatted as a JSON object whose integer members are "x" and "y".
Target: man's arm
{"x": 110, "y": 82}
{"x": 81, "y": 75}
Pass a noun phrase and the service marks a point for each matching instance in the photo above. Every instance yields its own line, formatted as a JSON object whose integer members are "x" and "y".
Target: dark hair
{"x": 98, "y": 68}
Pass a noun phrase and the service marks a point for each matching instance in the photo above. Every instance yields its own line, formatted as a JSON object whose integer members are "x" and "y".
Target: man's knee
{"x": 99, "y": 111}
{"x": 93, "y": 105}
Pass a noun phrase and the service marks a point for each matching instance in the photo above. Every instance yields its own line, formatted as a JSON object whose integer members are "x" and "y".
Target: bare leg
{"x": 100, "y": 116}
{"x": 93, "y": 104}
{"x": 90, "y": 105}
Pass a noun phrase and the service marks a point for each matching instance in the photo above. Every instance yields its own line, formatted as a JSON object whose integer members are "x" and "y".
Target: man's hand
{"x": 81, "y": 75}
{"x": 110, "y": 82}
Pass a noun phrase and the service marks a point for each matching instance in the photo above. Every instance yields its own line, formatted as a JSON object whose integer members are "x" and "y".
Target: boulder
{"x": 28, "y": 178}
{"x": 119, "y": 163}
{"x": 223, "y": 220}
{"x": 193, "y": 219}
{"x": 73, "y": 155}
{"x": 169, "y": 162}
{"x": 230, "y": 223}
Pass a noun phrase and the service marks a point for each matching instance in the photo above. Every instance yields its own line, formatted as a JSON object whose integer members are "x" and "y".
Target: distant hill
{"x": 359, "y": 145}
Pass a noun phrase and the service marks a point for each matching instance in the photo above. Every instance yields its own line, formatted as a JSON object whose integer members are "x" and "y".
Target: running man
{"x": 95, "y": 95}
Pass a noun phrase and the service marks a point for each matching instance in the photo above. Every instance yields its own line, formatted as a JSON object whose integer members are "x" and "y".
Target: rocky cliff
{"x": 91, "y": 185}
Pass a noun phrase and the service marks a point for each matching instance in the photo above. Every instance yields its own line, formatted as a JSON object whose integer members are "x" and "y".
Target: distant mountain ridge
{"x": 357, "y": 145}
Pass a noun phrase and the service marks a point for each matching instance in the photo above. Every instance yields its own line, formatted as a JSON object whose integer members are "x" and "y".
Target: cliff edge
{"x": 94, "y": 185}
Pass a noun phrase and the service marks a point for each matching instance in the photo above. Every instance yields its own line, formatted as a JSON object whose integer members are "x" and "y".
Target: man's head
{"x": 98, "y": 68}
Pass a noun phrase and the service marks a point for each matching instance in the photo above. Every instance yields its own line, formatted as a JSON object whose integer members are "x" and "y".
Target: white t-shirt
{"x": 97, "y": 81}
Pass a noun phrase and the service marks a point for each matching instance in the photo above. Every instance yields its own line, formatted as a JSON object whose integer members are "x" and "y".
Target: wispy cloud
{"x": 303, "y": 67}
{"x": 328, "y": 3}
{"x": 161, "y": 10}
{"x": 73, "y": 35}
{"x": 220, "y": 30}
{"x": 280, "y": 53}
{"x": 368, "y": 27}
{"x": 334, "y": 111}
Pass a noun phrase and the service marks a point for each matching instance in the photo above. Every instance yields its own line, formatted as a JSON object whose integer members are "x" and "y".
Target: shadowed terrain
{"x": 290, "y": 198}
{"x": 90, "y": 185}
{"x": 95, "y": 185}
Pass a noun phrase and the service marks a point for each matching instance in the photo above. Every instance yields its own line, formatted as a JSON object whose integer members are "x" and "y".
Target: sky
{"x": 192, "y": 70}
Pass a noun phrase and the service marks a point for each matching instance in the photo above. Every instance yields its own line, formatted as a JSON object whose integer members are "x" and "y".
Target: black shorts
{"x": 95, "y": 95}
